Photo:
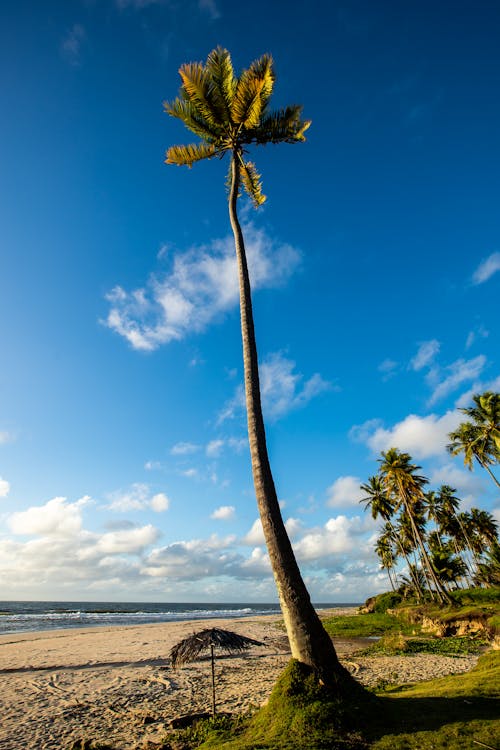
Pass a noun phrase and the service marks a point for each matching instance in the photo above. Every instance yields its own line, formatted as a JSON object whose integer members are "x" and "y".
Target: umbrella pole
{"x": 213, "y": 678}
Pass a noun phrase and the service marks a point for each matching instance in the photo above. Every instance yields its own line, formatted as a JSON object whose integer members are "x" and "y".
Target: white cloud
{"x": 71, "y": 46}
{"x": 56, "y": 518}
{"x": 201, "y": 285}
{"x": 138, "y": 497}
{"x": 459, "y": 372}
{"x": 486, "y": 269}
{"x": 255, "y": 537}
{"x": 294, "y": 527}
{"x": 460, "y": 479}
{"x": 128, "y": 542}
{"x": 214, "y": 448}
{"x": 426, "y": 353}
{"x": 421, "y": 437}
{"x": 282, "y": 389}
{"x": 224, "y": 513}
{"x": 344, "y": 492}
{"x": 4, "y": 487}
{"x": 388, "y": 368}
{"x": 472, "y": 336}
{"x": 159, "y": 502}
{"x": 5, "y": 437}
{"x": 465, "y": 398}
{"x": 184, "y": 449}
{"x": 340, "y": 535}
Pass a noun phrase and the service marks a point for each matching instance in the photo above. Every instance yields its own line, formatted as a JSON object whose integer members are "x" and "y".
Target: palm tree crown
{"x": 229, "y": 113}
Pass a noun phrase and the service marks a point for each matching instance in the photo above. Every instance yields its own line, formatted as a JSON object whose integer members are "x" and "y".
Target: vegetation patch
{"x": 366, "y": 626}
{"x": 396, "y": 644}
{"x": 301, "y": 714}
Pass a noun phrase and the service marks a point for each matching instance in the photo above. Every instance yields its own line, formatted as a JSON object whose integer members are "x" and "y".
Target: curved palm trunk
{"x": 441, "y": 592}
{"x": 309, "y": 641}
{"x": 485, "y": 466}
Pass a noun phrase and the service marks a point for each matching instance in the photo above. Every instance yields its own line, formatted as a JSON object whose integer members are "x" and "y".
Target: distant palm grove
{"x": 438, "y": 546}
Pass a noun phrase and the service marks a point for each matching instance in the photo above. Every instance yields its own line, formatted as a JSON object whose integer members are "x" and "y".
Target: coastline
{"x": 115, "y": 684}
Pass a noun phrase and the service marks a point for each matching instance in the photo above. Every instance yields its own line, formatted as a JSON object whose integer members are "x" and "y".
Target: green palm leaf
{"x": 251, "y": 180}
{"x": 220, "y": 69}
{"x": 196, "y": 84}
{"x": 185, "y": 111}
{"x": 282, "y": 126}
{"x": 187, "y": 155}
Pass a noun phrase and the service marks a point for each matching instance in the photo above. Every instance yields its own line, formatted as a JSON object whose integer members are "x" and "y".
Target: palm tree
{"x": 385, "y": 552}
{"x": 401, "y": 480}
{"x": 377, "y": 499}
{"x": 479, "y": 438}
{"x": 230, "y": 113}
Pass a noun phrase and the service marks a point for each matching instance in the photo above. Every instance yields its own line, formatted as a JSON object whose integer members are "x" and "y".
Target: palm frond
{"x": 251, "y": 180}
{"x": 196, "y": 85}
{"x": 246, "y": 108}
{"x": 252, "y": 93}
{"x": 282, "y": 126}
{"x": 187, "y": 155}
{"x": 263, "y": 70}
{"x": 223, "y": 82}
{"x": 185, "y": 111}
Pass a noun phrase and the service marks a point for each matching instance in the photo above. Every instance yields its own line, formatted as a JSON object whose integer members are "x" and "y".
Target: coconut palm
{"x": 385, "y": 552}
{"x": 401, "y": 480}
{"x": 479, "y": 438}
{"x": 230, "y": 113}
{"x": 377, "y": 499}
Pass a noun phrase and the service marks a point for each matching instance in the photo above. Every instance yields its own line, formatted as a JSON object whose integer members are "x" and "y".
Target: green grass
{"x": 451, "y": 713}
{"x": 393, "y": 644}
{"x": 364, "y": 626}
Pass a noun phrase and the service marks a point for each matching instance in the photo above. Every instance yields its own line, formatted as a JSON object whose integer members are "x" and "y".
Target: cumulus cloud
{"x": 201, "y": 285}
{"x": 343, "y": 492}
{"x": 5, "y": 437}
{"x": 283, "y": 389}
{"x": 340, "y": 535}
{"x": 255, "y": 536}
{"x": 426, "y": 353}
{"x": 57, "y": 517}
{"x": 460, "y": 479}
{"x": 71, "y": 46}
{"x": 453, "y": 376}
{"x": 422, "y": 437}
{"x": 4, "y": 487}
{"x": 203, "y": 558}
{"x": 138, "y": 497}
{"x": 486, "y": 269}
{"x": 224, "y": 513}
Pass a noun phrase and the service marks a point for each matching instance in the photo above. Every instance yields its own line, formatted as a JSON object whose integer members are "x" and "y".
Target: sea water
{"x": 22, "y": 617}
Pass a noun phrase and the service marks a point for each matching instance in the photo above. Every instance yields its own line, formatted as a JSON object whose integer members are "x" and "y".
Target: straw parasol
{"x": 208, "y": 640}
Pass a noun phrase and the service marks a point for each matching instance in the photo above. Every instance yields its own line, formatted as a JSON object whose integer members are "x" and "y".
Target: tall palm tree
{"x": 479, "y": 438}
{"x": 230, "y": 113}
{"x": 401, "y": 479}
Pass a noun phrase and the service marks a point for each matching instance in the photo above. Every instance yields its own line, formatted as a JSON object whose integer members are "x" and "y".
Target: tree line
{"x": 440, "y": 546}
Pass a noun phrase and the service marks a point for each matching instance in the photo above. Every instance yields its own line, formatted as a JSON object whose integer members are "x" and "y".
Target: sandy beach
{"x": 117, "y": 685}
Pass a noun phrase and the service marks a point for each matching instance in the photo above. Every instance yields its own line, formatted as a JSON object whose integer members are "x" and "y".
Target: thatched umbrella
{"x": 207, "y": 640}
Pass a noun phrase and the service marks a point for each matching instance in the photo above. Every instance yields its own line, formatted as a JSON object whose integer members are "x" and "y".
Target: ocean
{"x": 23, "y": 617}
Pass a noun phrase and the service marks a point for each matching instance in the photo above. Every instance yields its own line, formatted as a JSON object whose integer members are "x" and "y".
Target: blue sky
{"x": 376, "y": 264}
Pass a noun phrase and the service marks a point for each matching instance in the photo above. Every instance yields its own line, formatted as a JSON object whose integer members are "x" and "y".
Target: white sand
{"x": 116, "y": 684}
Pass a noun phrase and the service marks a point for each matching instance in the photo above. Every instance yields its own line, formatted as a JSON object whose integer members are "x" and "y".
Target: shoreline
{"x": 115, "y": 684}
